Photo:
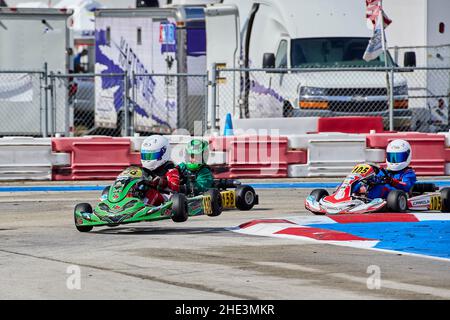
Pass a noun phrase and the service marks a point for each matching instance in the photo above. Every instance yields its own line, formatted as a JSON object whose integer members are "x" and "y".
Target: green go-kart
{"x": 121, "y": 203}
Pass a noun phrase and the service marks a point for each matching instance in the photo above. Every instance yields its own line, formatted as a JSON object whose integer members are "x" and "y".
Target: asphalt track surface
{"x": 198, "y": 259}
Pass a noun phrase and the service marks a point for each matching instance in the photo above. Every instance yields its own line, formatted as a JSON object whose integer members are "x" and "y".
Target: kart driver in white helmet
{"x": 399, "y": 175}
{"x": 162, "y": 176}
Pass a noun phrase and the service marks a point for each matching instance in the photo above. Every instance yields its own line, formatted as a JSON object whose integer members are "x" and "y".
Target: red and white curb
{"x": 297, "y": 228}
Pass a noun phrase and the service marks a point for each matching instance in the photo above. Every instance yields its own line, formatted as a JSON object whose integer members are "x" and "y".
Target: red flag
{"x": 373, "y": 9}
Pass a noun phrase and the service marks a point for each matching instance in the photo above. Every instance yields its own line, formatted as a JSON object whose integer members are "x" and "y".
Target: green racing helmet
{"x": 197, "y": 151}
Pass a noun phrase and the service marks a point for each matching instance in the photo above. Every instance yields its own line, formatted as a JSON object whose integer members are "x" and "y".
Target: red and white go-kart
{"x": 423, "y": 196}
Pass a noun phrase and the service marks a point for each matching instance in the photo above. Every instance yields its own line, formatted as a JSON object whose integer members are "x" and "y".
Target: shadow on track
{"x": 123, "y": 230}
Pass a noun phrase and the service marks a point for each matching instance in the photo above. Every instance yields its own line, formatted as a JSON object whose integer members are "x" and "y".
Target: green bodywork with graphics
{"x": 123, "y": 203}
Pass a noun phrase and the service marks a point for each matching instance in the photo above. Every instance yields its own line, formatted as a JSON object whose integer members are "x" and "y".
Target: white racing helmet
{"x": 155, "y": 151}
{"x": 398, "y": 155}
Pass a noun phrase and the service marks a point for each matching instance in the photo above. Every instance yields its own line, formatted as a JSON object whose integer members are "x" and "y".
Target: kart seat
{"x": 422, "y": 187}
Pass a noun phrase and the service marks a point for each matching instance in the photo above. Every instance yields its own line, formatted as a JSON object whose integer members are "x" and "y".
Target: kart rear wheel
{"x": 397, "y": 201}
{"x": 179, "y": 208}
{"x": 216, "y": 202}
{"x": 82, "y": 207}
{"x": 246, "y": 197}
{"x": 318, "y": 194}
{"x": 445, "y": 198}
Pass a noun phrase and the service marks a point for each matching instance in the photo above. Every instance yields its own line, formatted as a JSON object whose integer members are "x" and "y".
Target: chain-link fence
{"x": 22, "y": 103}
{"x": 419, "y": 96}
{"x": 40, "y": 103}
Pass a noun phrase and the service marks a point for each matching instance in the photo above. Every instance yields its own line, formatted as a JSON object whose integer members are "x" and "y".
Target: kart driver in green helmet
{"x": 195, "y": 175}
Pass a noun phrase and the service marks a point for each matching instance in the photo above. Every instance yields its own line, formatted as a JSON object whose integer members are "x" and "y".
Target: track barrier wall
{"x": 320, "y": 154}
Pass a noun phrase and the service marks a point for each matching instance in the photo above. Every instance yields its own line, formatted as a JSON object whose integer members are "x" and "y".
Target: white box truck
{"x": 423, "y": 27}
{"x": 299, "y": 34}
{"x": 28, "y": 39}
{"x": 151, "y": 41}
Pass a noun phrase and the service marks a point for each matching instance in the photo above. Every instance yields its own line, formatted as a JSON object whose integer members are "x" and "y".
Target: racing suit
{"x": 195, "y": 182}
{"x": 162, "y": 181}
{"x": 400, "y": 180}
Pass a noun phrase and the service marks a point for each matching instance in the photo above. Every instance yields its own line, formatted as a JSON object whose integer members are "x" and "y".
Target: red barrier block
{"x": 350, "y": 124}
{"x": 101, "y": 158}
{"x": 428, "y": 150}
{"x": 297, "y": 157}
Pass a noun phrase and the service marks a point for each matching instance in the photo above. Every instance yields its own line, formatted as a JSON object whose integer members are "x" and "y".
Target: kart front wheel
{"x": 445, "y": 198}
{"x": 179, "y": 208}
{"x": 216, "y": 203}
{"x": 82, "y": 207}
{"x": 318, "y": 194}
{"x": 397, "y": 201}
{"x": 246, "y": 198}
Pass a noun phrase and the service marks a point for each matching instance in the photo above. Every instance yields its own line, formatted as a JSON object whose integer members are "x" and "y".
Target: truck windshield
{"x": 332, "y": 52}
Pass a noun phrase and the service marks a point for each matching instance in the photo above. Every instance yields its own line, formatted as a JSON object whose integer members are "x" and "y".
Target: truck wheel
{"x": 318, "y": 194}
{"x": 216, "y": 202}
{"x": 246, "y": 197}
{"x": 445, "y": 198}
{"x": 288, "y": 111}
{"x": 397, "y": 201}
{"x": 82, "y": 207}
{"x": 179, "y": 208}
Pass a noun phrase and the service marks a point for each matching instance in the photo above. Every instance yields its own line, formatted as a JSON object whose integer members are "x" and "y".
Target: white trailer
{"x": 301, "y": 33}
{"x": 151, "y": 41}
{"x": 423, "y": 27}
{"x": 29, "y": 38}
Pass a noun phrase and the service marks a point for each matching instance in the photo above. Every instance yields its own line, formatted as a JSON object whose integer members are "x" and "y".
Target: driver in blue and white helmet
{"x": 399, "y": 175}
{"x": 161, "y": 174}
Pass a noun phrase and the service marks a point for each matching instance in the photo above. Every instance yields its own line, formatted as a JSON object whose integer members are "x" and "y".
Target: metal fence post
{"x": 205, "y": 111}
{"x": 45, "y": 127}
{"x": 52, "y": 104}
{"x": 212, "y": 103}
{"x": 126, "y": 120}
{"x": 391, "y": 100}
{"x": 133, "y": 101}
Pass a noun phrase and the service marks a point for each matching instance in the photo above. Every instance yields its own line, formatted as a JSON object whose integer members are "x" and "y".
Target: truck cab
{"x": 304, "y": 58}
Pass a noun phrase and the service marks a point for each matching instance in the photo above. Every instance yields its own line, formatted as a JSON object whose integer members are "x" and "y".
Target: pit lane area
{"x": 198, "y": 259}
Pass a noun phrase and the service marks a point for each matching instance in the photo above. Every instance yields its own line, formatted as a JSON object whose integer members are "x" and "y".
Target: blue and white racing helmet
{"x": 155, "y": 151}
{"x": 398, "y": 155}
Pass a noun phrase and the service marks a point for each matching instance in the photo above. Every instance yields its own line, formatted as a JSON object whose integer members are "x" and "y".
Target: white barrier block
{"x": 61, "y": 159}
{"x": 217, "y": 158}
{"x": 284, "y": 126}
{"x": 336, "y": 150}
{"x": 300, "y": 141}
{"x": 24, "y": 158}
{"x": 298, "y": 171}
{"x": 375, "y": 155}
{"x": 447, "y": 138}
{"x": 447, "y": 169}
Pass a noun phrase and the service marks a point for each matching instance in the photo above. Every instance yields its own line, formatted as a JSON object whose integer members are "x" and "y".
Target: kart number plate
{"x": 361, "y": 169}
{"x": 207, "y": 209}
{"x": 435, "y": 203}
{"x": 228, "y": 199}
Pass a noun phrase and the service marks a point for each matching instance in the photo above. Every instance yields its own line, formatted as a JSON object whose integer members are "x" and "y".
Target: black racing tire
{"x": 397, "y": 201}
{"x": 246, "y": 197}
{"x": 216, "y": 202}
{"x": 83, "y": 207}
{"x": 179, "y": 208}
{"x": 106, "y": 191}
{"x": 445, "y": 198}
{"x": 319, "y": 194}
